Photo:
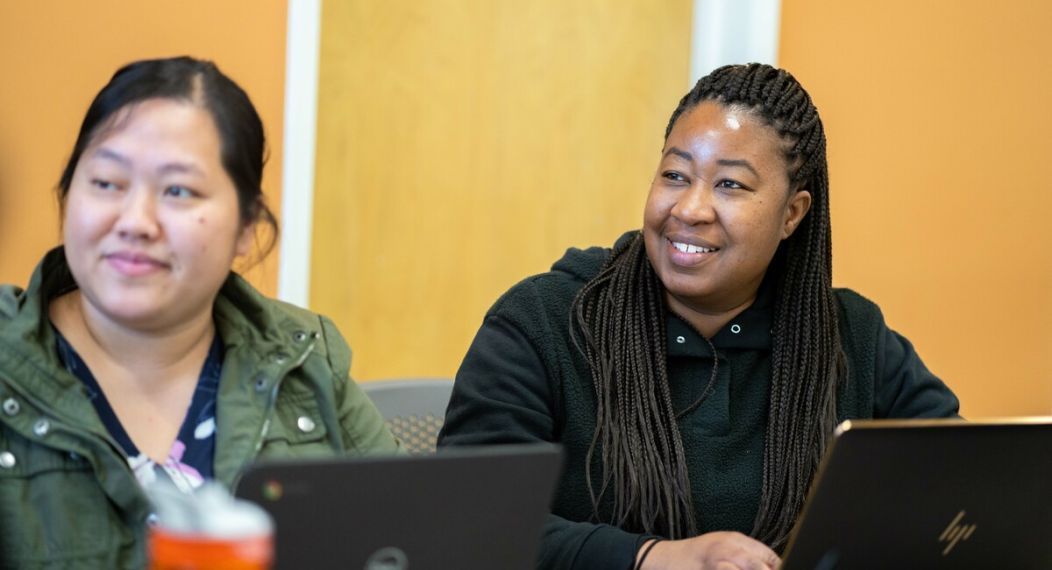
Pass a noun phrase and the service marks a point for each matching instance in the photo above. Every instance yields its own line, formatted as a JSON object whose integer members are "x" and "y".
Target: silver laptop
{"x": 462, "y": 508}
{"x": 930, "y": 494}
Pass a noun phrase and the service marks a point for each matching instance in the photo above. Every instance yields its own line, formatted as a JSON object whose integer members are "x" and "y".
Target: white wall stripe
{"x": 733, "y": 31}
{"x": 297, "y": 183}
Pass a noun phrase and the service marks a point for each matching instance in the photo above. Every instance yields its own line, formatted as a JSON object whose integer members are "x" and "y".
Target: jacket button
{"x": 7, "y": 459}
{"x": 299, "y": 336}
{"x": 152, "y": 519}
{"x": 41, "y": 427}
{"x": 305, "y": 424}
{"x": 261, "y": 382}
{"x": 680, "y": 340}
{"x": 736, "y": 328}
{"x": 11, "y": 406}
{"x": 281, "y": 358}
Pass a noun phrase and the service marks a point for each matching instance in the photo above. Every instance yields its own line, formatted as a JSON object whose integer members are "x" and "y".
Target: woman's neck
{"x": 158, "y": 353}
{"x": 707, "y": 320}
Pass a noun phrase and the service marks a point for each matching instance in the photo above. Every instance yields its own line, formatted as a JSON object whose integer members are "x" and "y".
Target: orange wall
{"x": 56, "y": 55}
{"x": 938, "y": 122}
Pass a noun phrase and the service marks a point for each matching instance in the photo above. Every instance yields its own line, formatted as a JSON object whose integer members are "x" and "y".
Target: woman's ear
{"x": 795, "y": 210}
{"x": 245, "y": 240}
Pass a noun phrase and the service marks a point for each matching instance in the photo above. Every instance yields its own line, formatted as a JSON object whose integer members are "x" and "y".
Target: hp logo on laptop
{"x": 956, "y": 532}
{"x": 387, "y": 558}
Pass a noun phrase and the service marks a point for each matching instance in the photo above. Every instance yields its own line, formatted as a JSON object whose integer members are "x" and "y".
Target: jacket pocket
{"x": 53, "y": 512}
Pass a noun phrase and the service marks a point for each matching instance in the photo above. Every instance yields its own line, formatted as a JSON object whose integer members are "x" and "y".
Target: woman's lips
{"x": 134, "y": 264}
{"x": 687, "y": 254}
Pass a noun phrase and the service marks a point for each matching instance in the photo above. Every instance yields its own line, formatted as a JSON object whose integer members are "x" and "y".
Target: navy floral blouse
{"x": 191, "y": 458}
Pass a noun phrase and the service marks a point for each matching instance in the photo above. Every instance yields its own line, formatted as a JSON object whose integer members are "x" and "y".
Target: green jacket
{"x": 68, "y": 498}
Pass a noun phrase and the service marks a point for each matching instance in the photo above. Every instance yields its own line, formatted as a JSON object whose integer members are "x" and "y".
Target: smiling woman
{"x": 136, "y": 354}
{"x": 695, "y": 371}
{"x": 158, "y": 172}
{"x": 717, "y": 211}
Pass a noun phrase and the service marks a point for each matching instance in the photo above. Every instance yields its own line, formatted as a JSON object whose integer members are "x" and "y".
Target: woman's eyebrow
{"x": 174, "y": 167}
{"x": 722, "y": 162}
{"x": 680, "y": 153}
{"x": 180, "y": 168}
{"x": 737, "y": 162}
{"x": 108, "y": 154}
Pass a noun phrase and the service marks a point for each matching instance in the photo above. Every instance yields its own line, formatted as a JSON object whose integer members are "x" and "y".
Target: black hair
{"x": 242, "y": 140}
{"x": 620, "y": 315}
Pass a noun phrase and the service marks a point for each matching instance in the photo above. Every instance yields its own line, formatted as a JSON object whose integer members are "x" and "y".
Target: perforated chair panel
{"x": 413, "y": 409}
{"x": 418, "y": 434}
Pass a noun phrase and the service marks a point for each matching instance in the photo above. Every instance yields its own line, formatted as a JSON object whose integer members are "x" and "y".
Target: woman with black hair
{"x": 695, "y": 371}
{"x": 135, "y": 353}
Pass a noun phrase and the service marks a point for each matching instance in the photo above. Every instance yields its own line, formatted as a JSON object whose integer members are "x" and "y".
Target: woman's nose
{"x": 695, "y": 206}
{"x": 138, "y": 216}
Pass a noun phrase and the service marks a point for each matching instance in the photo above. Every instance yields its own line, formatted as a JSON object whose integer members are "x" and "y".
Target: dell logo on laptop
{"x": 387, "y": 558}
{"x": 956, "y": 532}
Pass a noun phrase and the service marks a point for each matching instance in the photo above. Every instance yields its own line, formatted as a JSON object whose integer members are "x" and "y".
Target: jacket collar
{"x": 250, "y": 325}
{"x": 263, "y": 340}
{"x": 28, "y": 357}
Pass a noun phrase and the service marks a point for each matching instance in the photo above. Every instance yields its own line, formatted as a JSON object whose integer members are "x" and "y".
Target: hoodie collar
{"x": 750, "y": 329}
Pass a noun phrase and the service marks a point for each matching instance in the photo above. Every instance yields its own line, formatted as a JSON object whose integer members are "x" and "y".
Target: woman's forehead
{"x": 164, "y": 124}
{"x": 713, "y": 126}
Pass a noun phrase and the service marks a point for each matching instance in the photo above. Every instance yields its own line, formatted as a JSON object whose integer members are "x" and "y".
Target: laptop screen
{"x": 930, "y": 494}
{"x": 465, "y": 508}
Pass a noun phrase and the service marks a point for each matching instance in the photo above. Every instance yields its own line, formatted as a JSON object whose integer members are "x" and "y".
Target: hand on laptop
{"x": 711, "y": 551}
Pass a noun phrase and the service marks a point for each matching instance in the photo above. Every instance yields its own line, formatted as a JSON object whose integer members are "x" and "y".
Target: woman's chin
{"x": 133, "y": 313}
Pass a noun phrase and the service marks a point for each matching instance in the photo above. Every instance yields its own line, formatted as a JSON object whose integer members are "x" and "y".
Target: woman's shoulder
{"x": 856, "y": 307}
{"x": 240, "y": 302}
{"x": 244, "y": 313}
{"x": 861, "y": 324}
{"x": 50, "y": 278}
{"x": 11, "y": 298}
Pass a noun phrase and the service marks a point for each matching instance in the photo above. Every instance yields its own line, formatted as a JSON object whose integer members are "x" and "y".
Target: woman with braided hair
{"x": 695, "y": 371}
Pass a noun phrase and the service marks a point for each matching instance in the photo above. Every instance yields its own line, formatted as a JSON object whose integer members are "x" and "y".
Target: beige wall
{"x": 57, "y": 54}
{"x": 464, "y": 144}
{"x": 938, "y": 122}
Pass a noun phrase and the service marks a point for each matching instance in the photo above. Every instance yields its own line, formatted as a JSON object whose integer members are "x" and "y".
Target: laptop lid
{"x": 930, "y": 494}
{"x": 466, "y": 508}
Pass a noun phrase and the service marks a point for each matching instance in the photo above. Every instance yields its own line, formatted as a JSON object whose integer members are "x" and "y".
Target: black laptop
{"x": 930, "y": 494}
{"x": 462, "y": 508}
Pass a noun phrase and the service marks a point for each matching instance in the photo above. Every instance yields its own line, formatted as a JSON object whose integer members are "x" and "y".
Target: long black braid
{"x": 620, "y": 317}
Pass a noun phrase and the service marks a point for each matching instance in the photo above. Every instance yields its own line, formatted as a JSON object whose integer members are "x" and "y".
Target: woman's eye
{"x": 178, "y": 192}
{"x": 103, "y": 184}
{"x": 728, "y": 184}
{"x": 673, "y": 176}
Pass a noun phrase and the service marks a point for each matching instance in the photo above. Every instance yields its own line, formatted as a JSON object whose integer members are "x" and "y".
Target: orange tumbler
{"x": 173, "y": 551}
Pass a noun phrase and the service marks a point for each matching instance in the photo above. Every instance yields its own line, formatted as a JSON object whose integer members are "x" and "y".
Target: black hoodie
{"x": 524, "y": 381}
